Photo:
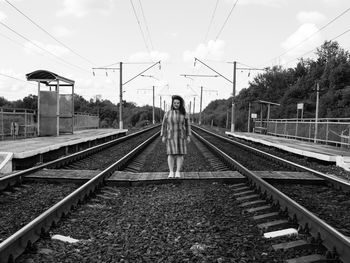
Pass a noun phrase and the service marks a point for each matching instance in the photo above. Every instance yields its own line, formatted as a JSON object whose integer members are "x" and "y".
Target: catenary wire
{"x": 307, "y": 38}
{"x": 222, "y": 28}
{"x": 146, "y": 25}
{"x": 30, "y": 41}
{"x": 211, "y": 20}
{"x": 317, "y": 47}
{"x": 45, "y": 31}
{"x": 139, "y": 24}
{"x": 8, "y": 76}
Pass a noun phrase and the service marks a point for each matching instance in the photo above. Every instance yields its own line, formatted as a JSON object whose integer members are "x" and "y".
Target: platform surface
{"x": 31, "y": 146}
{"x": 308, "y": 149}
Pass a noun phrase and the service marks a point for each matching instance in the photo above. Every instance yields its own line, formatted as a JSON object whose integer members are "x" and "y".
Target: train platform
{"x": 327, "y": 153}
{"x": 121, "y": 178}
{"x": 24, "y": 153}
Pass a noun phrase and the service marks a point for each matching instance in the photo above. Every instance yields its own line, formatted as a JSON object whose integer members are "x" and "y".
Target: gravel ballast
{"x": 197, "y": 222}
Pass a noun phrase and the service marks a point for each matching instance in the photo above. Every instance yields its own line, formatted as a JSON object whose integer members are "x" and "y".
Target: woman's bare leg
{"x": 171, "y": 163}
{"x": 179, "y": 163}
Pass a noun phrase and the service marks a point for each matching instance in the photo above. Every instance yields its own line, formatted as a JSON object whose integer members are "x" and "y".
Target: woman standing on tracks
{"x": 176, "y": 133}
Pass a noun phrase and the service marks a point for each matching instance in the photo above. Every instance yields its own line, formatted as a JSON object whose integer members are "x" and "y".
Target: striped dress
{"x": 175, "y": 128}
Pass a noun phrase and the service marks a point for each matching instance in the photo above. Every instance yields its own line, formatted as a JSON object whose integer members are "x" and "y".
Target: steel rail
{"x": 338, "y": 183}
{"x": 332, "y": 239}
{"x": 18, "y": 177}
{"x": 14, "y": 245}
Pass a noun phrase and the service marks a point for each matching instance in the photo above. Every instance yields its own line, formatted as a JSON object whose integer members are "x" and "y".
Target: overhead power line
{"x": 222, "y": 28}
{"x": 8, "y": 76}
{"x": 45, "y": 31}
{"x": 139, "y": 24}
{"x": 211, "y": 20}
{"x": 146, "y": 25}
{"x": 307, "y": 38}
{"x": 36, "y": 45}
{"x": 346, "y": 31}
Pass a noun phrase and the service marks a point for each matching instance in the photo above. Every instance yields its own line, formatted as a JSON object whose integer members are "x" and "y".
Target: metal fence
{"x": 22, "y": 123}
{"x": 84, "y": 121}
{"x": 17, "y": 123}
{"x": 326, "y": 130}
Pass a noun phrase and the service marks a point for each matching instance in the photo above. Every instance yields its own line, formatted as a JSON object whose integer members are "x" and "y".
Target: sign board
{"x": 254, "y": 116}
{"x": 300, "y": 106}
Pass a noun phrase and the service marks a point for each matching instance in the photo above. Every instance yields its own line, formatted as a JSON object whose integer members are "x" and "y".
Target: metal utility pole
{"x": 249, "y": 109}
{"x": 160, "y": 108}
{"x": 153, "y": 120}
{"x": 317, "y": 105}
{"x": 233, "y": 97}
{"x": 190, "y": 110}
{"x": 194, "y": 106}
{"x": 121, "y": 95}
{"x": 200, "y": 107}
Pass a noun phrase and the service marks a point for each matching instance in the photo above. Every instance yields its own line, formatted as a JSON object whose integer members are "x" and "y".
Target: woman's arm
{"x": 188, "y": 128}
{"x": 163, "y": 130}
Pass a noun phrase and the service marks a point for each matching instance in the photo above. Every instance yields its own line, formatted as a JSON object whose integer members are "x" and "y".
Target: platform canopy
{"x": 48, "y": 78}
{"x": 55, "y": 110}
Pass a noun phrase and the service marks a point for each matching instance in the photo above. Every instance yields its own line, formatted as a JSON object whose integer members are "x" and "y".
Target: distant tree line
{"x": 289, "y": 86}
{"x": 133, "y": 116}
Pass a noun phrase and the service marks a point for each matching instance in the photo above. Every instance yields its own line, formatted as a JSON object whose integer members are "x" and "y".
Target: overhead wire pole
{"x": 121, "y": 84}
{"x": 200, "y": 103}
{"x": 233, "y": 92}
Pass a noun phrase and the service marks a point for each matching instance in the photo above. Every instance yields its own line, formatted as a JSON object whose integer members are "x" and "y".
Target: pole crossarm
{"x": 196, "y": 59}
{"x": 193, "y": 75}
{"x": 141, "y": 72}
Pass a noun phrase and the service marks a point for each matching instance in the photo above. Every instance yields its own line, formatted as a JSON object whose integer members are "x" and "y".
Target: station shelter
{"x": 55, "y": 110}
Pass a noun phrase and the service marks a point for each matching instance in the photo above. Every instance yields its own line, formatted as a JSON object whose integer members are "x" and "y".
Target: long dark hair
{"x": 182, "y": 104}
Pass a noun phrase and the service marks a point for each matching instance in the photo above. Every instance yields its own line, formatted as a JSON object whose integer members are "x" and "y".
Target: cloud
{"x": 81, "y": 8}
{"x": 310, "y": 17}
{"x": 146, "y": 57}
{"x": 61, "y": 31}
{"x": 57, "y": 50}
{"x": 303, "y": 32}
{"x": 211, "y": 50}
{"x": 3, "y": 16}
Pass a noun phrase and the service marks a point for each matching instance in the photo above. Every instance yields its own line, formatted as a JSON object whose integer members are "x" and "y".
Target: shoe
{"x": 177, "y": 174}
{"x": 171, "y": 175}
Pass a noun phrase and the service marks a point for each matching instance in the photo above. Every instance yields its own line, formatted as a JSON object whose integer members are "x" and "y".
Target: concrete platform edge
{"x": 319, "y": 156}
{"x": 63, "y": 144}
{"x": 6, "y": 163}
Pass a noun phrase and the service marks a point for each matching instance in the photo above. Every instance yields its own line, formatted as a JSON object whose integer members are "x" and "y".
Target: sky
{"x": 71, "y": 37}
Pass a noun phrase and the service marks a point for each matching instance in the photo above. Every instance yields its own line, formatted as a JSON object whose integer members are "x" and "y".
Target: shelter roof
{"x": 47, "y": 77}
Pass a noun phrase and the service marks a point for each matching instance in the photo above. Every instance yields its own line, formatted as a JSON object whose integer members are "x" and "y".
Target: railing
{"x": 17, "y": 123}
{"x": 326, "y": 130}
{"x": 84, "y": 121}
{"x": 21, "y": 123}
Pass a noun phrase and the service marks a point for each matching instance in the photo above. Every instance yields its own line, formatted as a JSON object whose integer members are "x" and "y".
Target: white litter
{"x": 64, "y": 238}
{"x": 279, "y": 233}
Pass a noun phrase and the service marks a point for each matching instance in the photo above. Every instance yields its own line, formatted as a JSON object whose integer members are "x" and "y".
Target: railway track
{"x": 337, "y": 244}
{"x": 257, "y": 198}
{"x": 57, "y": 207}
